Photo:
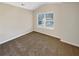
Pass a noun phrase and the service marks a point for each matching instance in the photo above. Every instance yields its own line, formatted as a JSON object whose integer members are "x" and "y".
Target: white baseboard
{"x": 49, "y": 34}
{"x": 69, "y": 43}
{"x": 36, "y": 31}
{"x": 15, "y": 37}
{"x": 62, "y": 40}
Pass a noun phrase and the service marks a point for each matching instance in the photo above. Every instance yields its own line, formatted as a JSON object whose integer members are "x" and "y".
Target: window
{"x": 45, "y": 20}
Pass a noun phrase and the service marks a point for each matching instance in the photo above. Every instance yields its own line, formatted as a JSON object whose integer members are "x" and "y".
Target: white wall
{"x": 70, "y": 28}
{"x": 66, "y": 21}
{"x": 14, "y": 22}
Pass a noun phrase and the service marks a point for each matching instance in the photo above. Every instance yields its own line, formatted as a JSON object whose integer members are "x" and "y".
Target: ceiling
{"x": 30, "y": 5}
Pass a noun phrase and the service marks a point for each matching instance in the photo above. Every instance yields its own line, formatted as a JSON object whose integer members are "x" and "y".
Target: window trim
{"x": 44, "y": 26}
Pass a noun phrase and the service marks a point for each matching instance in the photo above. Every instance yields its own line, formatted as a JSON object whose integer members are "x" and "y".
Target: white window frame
{"x": 44, "y": 26}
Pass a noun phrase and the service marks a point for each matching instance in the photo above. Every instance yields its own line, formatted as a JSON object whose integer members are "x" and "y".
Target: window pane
{"x": 40, "y": 17}
{"x": 49, "y": 15}
{"x": 49, "y": 23}
{"x": 40, "y": 22}
{"x": 49, "y": 19}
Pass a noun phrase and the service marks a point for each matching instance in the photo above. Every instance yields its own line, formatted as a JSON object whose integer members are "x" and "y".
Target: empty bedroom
{"x": 39, "y": 29}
